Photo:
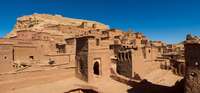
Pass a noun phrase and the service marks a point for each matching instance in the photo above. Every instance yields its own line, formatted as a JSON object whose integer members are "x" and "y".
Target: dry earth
{"x": 62, "y": 80}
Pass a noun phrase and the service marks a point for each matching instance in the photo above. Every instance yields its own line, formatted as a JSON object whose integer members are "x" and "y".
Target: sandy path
{"x": 162, "y": 77}
{"x": 61, "y": 86}
{"x": 21, "y": 80}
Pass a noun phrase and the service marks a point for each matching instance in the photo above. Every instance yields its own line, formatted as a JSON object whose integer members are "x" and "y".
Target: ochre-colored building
{"x": 92, "y": 48}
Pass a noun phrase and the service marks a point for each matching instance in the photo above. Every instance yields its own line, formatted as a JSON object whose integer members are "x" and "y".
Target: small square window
{"x": 5, "y": 57}
{"x": 31, "y": 57}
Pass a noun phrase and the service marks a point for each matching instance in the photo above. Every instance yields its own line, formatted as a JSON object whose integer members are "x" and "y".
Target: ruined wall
{"x": 123, "y": 61}
{"x": 192, "y": 56}
{"x": 82, "y": 58}
{"x": 124, "y": 64}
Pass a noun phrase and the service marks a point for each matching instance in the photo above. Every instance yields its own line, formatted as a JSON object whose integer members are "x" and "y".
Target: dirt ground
{"x": 162, "y": 77}
{"x": 11, "y": 82}
{"x": 54, "y": 81}
{"x": 62, "y": 80}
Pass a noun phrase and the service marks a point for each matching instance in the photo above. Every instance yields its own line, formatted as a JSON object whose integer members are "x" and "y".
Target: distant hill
{"x": 39, "y": 22}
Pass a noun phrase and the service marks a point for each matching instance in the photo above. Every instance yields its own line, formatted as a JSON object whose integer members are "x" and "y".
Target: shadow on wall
{"x": 147, "y": 87}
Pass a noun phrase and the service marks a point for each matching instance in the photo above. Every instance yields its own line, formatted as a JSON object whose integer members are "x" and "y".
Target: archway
{"x": 96, "y": 68}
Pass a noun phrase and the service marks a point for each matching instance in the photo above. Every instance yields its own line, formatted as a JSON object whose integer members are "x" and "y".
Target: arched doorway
{"x": 96, "y": 68}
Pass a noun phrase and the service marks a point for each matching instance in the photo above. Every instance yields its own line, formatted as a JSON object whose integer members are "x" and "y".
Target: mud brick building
{"x": 192, "y": 57}
{"x": 92, "y": 48}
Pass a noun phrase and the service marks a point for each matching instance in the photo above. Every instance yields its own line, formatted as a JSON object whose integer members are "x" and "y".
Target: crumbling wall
{"x": 124, "y": 64}
{"x": 124, "y": 60}
{"x": 82, "y": 58}
{"x": 192, "y": 56}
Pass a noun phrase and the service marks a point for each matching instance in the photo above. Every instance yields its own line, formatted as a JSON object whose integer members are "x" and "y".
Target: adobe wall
{"x": 192, "y": 56}
{"x": 59, "y": 59}
{"x": 25, "y": 54}
{"x": 82, "y": 58}
{"x": 6, "y": 58}
{"x": 140, "y": 66}
{"x": 25, "y": 35}
{"x": 71, "y": 49}
{"x": 101, "y": 54}
{"x": 44, "y": 49}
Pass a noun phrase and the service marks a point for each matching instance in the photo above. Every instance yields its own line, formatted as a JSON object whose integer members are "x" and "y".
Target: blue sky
{"x": 167, "y": 20}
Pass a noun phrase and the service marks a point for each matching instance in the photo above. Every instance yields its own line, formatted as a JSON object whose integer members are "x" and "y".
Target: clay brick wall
{"x": 60, "y": 59}
{"x": 100, "y": 54}
{"x": 82, "y": 58}
{"x": 26, "y": 35}
{"x": 23, "y": 53}
{"x": 192, "y": 56}
{"x": 124, "y": 64}
{"x": 140, "y": 65}
{"x": 6, "y": 58}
